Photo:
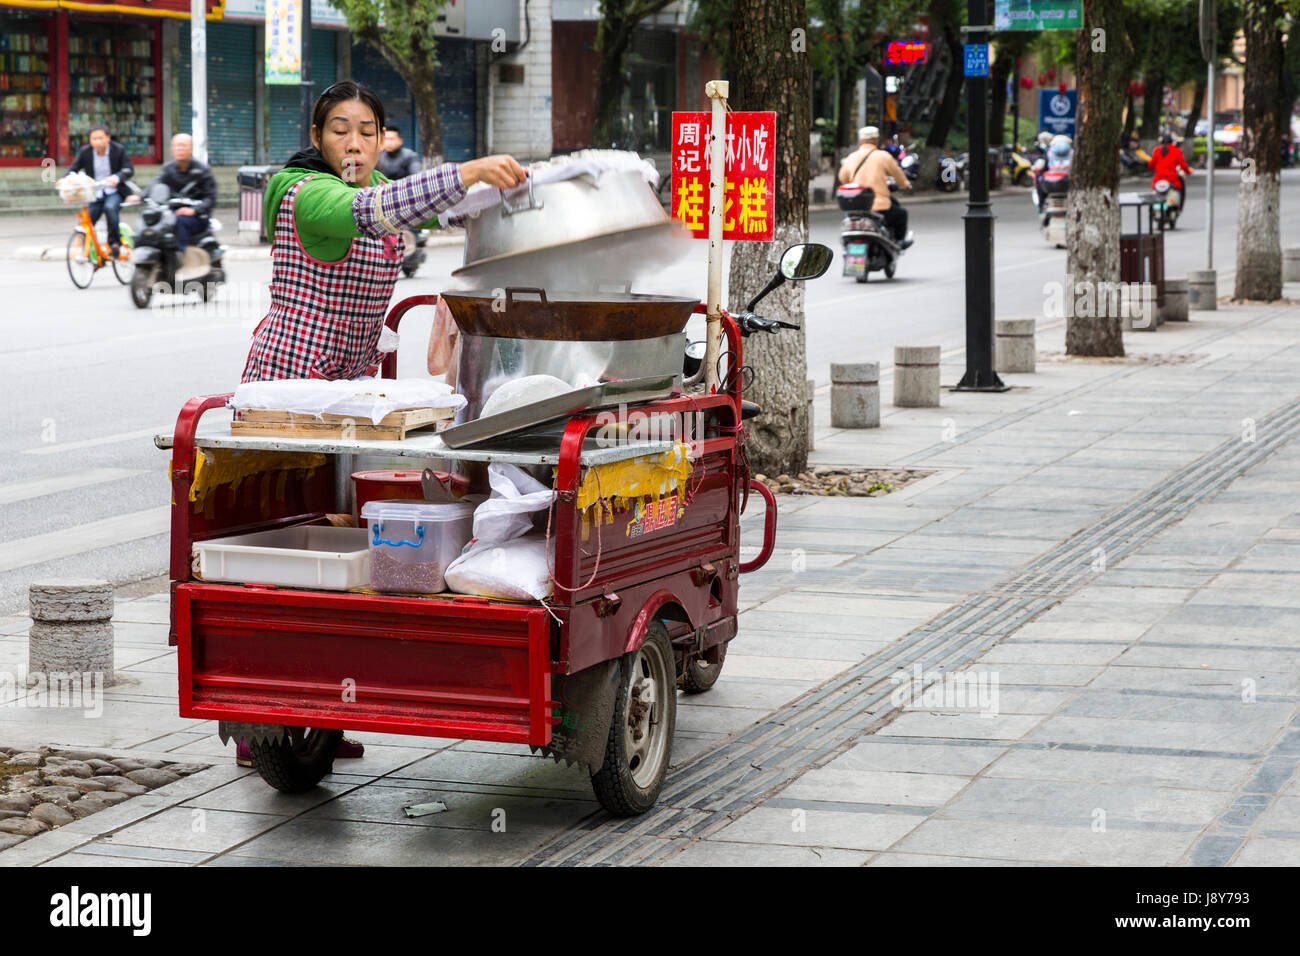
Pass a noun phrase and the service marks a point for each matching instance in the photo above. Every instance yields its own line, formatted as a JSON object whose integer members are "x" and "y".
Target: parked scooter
{"x": 1016, "y": 167}
{"x": 1134, "y": 160}
{"x": 952, "y": 172}
{"x": 415, "y": 255}
{"x": 159, "y": 266}
{"x": 869, "y": 245}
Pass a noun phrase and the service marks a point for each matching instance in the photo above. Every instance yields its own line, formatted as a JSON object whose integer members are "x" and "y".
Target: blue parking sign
{"x": 977, "y": 59}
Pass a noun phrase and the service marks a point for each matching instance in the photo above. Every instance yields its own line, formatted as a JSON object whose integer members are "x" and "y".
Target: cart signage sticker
{"x": 653, "y": 515}
{"x": 749, "y": 206}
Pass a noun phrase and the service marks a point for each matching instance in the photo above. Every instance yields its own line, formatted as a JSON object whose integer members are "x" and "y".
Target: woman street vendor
{"x": 336, "y": 247}
{"x": 337, "y": 251}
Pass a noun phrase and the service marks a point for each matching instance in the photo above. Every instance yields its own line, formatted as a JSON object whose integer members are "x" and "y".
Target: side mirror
{"x": 805, "y": 260}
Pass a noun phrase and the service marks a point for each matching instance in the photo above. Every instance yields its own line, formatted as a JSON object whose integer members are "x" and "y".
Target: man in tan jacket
{"x": 869, "y": 166}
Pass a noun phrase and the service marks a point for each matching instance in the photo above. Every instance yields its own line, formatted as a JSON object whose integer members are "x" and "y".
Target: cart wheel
{"x": 703, "y": 672}
{"x": 298, "y": 763}
{"x": 641, "y": 733}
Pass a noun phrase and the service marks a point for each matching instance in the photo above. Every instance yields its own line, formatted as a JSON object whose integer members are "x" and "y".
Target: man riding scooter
{"x": 870, "y": 166}
{"x": 1167, "y": 160}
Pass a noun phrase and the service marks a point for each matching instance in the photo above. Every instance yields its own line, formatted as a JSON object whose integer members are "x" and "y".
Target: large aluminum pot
{"x": 486, "y": 362}
{"x": 556, "y": 215}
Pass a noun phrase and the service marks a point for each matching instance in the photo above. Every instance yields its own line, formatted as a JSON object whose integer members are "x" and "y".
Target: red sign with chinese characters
{"x": 907, "y": 51}
{"x": 749, "y": 206}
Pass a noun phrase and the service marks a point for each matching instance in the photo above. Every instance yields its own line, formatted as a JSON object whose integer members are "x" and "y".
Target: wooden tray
{"x": 392, "y": 427}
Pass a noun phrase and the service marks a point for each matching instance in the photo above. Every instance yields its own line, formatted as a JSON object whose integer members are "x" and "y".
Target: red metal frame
{"x": 463, "y": 666}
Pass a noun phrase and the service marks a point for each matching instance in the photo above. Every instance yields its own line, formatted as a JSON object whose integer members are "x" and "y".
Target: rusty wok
{"x": 519, "y": 313}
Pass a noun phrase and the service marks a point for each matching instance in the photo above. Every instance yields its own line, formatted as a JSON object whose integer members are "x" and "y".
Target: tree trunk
{"x": 425, "y": 94}
{"x": 1198, "y": 104}
{"x": 1153, "y": 107}
{"x": 1259, "y": 244}
{"x": 613, "y": 38}
{"x": 947, "y": 111}
{"x": 766, "y": 75}
{"x": 846, "y": 133}
{"x": 998, "y": 78}
{"x": 1092, "y": 211}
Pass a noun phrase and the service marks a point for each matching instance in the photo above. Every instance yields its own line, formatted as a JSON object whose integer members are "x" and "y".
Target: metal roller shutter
{"x": 284, "y": 100}
{"x": 231, "y": 90}
{"x": 457, "y": 101}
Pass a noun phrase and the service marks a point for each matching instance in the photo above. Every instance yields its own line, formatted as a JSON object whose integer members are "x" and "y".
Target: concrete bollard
{"x": 1175, "y": 307}
{"x": 72, "y": 628}
{"x": 916, "y": 376}
{"x": 855, "y": 395}
{"x": 1014, "y": 348}
{"x": 812, "y": 429}
{"x": 1137, "y": 303}
{"x": 1291, "y": 264}
{"x": 1202, "y": 290}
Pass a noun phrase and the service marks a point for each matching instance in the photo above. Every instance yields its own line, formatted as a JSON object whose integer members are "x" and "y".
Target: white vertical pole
{"x": 717, "y": 91}
{"x": 1209, "y": 168}
{"x": 199, "y": 79}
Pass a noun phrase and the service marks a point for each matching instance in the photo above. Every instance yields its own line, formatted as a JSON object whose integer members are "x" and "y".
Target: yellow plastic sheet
{"x": 218, "y": 467}
{"x": 624, "y": 484}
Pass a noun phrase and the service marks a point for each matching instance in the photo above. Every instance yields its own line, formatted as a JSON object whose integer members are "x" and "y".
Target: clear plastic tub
{"x": 305, "y": 556}
{"x": 412, "y": 542}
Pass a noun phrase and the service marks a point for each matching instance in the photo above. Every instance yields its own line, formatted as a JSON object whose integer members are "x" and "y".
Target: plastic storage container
{"x": 306, "y": 556}
{"x": 403, "y": 483}
{"x": 412, "y": 542}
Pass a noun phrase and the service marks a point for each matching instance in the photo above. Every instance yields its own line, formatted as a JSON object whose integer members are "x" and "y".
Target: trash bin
{"x": 252, "y": 191}
{"x": 1142, "y": 254}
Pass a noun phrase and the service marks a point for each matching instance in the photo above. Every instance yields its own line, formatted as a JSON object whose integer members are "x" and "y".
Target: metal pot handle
{"x": 511, "y": 290}
{"x": 533, "y": 203}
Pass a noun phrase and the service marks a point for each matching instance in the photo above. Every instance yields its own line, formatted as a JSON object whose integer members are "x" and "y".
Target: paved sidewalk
{"x": 1110, "y": 552}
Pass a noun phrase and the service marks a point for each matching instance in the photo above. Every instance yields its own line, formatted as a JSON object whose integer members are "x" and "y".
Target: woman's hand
{"x": 500, "y": 171}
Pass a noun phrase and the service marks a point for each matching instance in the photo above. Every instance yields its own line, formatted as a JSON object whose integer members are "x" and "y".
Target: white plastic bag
{"x": 508, "y": 513}
{"x": 516, "y": 569}
{"x": 77, "y": 187}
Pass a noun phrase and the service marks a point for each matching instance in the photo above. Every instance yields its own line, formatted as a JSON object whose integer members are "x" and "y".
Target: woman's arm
{"x": 408, "y": 203}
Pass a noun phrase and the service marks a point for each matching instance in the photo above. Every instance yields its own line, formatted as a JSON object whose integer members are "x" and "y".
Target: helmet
{"x": 1060, "y": 145}
{"x": 1044, "y": 139}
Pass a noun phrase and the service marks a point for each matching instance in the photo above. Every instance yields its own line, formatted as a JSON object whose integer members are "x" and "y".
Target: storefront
{"x": 69, "y": 65}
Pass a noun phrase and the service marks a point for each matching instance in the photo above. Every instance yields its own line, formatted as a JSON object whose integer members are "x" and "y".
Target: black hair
{"x": 390, "y": 128}
{"x": 101, "y": 128}
{"x": 340, "y": 92}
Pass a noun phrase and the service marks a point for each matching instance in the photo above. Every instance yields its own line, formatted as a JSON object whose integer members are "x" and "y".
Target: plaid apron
{"x": 325, "y": 317}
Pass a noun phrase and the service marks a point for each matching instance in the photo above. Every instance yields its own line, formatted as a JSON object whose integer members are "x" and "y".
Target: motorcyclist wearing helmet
{"x": 1167, "y": 160}
{"x": 1060, "y": 151}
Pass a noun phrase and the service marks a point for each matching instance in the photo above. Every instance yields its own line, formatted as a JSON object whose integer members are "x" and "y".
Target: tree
{"x": 1102, "y": 57}
{"x": 1010, "y": 47}
{"x": 406, "y": 40}
{"x": 768, "y": 72}
{"x": 947, "y": 16}
{"x": 1259, "y": 244}
{"x": 619, "y": 20}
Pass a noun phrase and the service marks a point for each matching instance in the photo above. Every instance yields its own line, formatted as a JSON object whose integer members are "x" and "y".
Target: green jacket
{"x": 322, "y": 212}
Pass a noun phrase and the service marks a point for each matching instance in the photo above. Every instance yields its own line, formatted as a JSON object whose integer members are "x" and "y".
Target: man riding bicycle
{"x": 106, "y": 162}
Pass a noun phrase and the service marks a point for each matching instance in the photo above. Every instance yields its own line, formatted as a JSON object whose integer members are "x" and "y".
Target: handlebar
{"x": 750, "y": 323}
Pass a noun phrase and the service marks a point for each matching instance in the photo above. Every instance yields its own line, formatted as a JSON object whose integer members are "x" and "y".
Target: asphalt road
{"x": 88, "y": 379}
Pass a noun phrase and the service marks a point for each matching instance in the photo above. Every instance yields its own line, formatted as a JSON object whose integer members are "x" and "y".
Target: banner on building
{"x": 284, "y": 42}
{"x": 749, "y": 190}
{"x": 1037, "y": 14}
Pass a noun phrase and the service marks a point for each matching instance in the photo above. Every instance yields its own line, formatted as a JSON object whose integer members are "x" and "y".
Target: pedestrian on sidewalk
{"x": 192, "y": 179}
{"x": 335, "y": 225}
{"x": 107, "y": 163}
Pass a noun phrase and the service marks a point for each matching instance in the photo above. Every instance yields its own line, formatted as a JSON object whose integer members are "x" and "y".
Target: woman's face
{"x": 349, "y": 141}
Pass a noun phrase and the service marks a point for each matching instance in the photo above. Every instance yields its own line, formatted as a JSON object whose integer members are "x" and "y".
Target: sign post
{"x": 1209, "y": 27}
{"x": 980, "y": 375}
{"x": 199, "y": 79}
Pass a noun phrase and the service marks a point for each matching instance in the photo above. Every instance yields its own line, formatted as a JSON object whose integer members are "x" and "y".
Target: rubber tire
{"x": 142, "y": 286}
{"x": 73, "y": 240}
{"x": 123, "y": 270}
{"x": 702, "y": 673}
{"x": 863, "y": 277}
{"x": 613, "y": 785}
{"x": 890, "y": 268}
{"x": 297, "y": 771}
{"x": 1026, "y": 178}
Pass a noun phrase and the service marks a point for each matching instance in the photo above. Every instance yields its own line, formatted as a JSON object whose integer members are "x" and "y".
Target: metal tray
{"x": 580, "y": 400}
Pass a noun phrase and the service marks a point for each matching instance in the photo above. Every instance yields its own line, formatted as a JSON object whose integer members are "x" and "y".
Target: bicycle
{"x": 86, "y": 255}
